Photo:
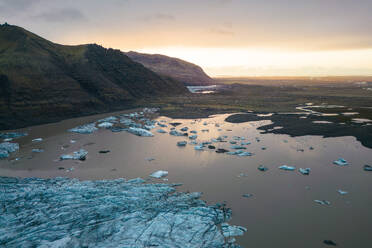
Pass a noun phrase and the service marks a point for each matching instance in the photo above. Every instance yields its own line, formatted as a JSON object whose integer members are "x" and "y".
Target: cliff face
{"x": 41, "y": 81}
{"x": 183, "y": 71}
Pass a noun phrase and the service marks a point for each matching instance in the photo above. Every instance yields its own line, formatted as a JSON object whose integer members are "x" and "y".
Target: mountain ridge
{"x": 41, "y": 81}
{"x": 187, "y": 73}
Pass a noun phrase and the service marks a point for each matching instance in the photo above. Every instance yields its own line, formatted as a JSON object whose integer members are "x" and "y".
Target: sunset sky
{"x": 225, "y": 37}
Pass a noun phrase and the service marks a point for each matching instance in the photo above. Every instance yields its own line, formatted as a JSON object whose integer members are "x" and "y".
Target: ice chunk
{"x": 235, "y": 152}
{"x": 245, "y": 154}
{"x": 6, "y": 148}
{"x": 367, "y": 167}
{"x": 322, "y": 202}
{"x": 105, "y": 124}
{"x": 109, "y": 119}
{"x": 78, "y": 155}
{"x": 247, "y": 195}
{"x": 181, "y": 143}
{"x": 159, "y": 174}
{"x": 184, "y": 129}
{"x": 12, "y": 135}
{"x": 329, "y": 242}
{"x": 9, "y": 147}
{"x": 233, "y": 142}
{"x": 287, "y": 168}
{"x": 262, "y": 168}
{"x": 140, "y": 132}
{"x": 244, "y": 143}
{"x": 37, "y": 150}
{"x": 193, "y": 131}
{"x": 200, "y": 148}
{"x": 341, "y": 162}
{"x": 230, "y": 231}
{"x": 37, "y": 140}
{"x": 305, "y": 171}
{"x": 238, "y": 147}
{"x": 342, "y": 192}
{"x": 193, "y": 137}
{"x": 84, "y": 129}
{"x": 161, "y": 131}
{"x": 177, "y": 133}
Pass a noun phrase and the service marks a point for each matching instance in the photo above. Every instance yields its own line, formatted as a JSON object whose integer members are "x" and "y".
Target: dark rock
{"x": 104, "y": 151}
{"x": 211, "y": 147}
{"x": 329, "y": 242}
{"x": 175, "y": 124}
{"x": 61, "y": 168}
{"x": 221, "y": 150}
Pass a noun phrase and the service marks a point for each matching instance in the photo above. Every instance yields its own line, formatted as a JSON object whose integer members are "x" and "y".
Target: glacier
{"x": 62, "y": 212}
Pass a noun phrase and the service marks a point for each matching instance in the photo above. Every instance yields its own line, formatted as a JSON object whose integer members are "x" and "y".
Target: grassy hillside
{"x": 181, "y": 70}
{"x": 42, "y": 81}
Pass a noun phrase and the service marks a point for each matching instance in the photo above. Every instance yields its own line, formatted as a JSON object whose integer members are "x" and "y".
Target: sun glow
{"x": 260, "y": 61}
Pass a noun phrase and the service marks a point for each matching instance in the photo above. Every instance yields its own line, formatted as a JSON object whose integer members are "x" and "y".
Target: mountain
{"x": 180, "y": 70}
{"x": 41, "y": 81}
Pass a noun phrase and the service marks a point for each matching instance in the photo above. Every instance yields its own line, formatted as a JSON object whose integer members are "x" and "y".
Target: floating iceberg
{"x": 193, "y": 137}
{"x": 6, "y": 148}
{"x": 109, "y": 213}
{"x": 199, "y": 148}
{"x": 287, "y": 168}
{"x": 341, "y": 162}
{"x": 193, "y": 131}
{"x": 184, "y": 129}
{"x": 176, "y": 133}
{"x": 84, "y": 129}
{"x": 262, "y": 168}
{"x": 322, "y": 202}
{"x": 235, "y": 152}
{"x": 105, "y": 124}
{"x": 12, "y": 135}
{"x": 181, "y": 143}
{"x": 342, "y": 192}
{"x": 109, "y": 119}
{"x": 238, "y": 147}
{"x": 78, "y": 155}
{"x": 37, "y": 140}
{"x": 245, "y": 154}
{"x": 230, "y": 231}
{"x": 140, "y": 132}
{"x": 367, "y": 167}
{"x": 247, "y": 195}
{"x": 305, "y": 171}
{"x": 161, "y": 131}
{"x": 159, "y": 174}
{"x": 37, "y": 150}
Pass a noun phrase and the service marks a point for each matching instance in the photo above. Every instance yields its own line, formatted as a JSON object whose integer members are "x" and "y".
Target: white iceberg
{"x": 287, "y": 168}
{"x": 84, "y": 129}
{"x": 78, "y": 155}
{"x": 159, "y": 174}
{"x": 140, "y": 132}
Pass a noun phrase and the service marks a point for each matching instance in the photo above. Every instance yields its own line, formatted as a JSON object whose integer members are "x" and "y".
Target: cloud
{"x": 13, "y": 7}
{"x": 221, "y": 31}
{"x": 159, "y": 17}
{"x": 61, "y": 15}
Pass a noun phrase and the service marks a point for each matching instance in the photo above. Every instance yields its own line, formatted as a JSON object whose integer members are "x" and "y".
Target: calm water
{"x": 282, "y": 211}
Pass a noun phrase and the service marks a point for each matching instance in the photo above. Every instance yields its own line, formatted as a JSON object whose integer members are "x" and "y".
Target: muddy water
{"x": 281, "y": 212}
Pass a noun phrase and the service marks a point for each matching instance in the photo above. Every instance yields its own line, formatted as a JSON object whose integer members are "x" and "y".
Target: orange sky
{"x": 225, "y": 37}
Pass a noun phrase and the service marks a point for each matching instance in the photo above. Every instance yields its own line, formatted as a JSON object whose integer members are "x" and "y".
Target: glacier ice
{"x": 161, "y": 131}
{"x": 37, "y": 140}
{"x": 63, "y": 212}
{"x": 181, "y": 143}
{"x": 12, "y": 135}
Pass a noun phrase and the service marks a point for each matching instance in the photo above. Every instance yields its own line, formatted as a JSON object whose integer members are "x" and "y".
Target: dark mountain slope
{"x": 183, "y": 71}
{"x": 41, "y": 81}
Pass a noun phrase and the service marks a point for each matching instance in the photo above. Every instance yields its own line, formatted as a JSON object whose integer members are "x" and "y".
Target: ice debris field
{"x": 65, "y": 212}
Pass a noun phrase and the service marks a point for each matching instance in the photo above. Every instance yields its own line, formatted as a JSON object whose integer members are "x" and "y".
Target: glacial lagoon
{"x": 279, "y": 208}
